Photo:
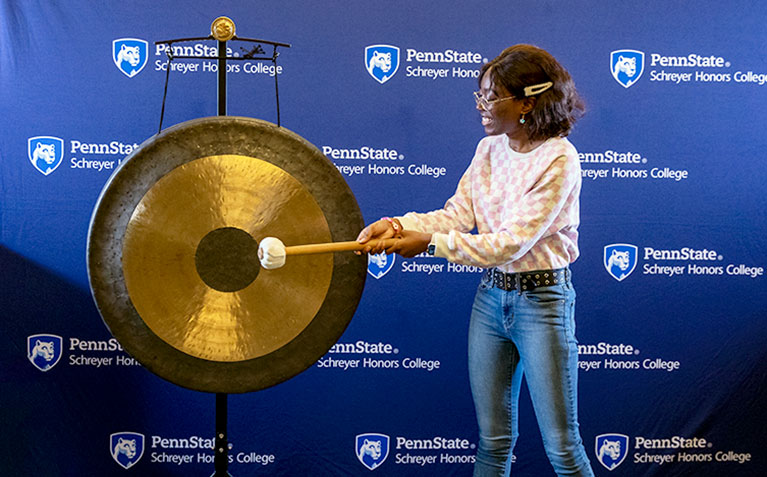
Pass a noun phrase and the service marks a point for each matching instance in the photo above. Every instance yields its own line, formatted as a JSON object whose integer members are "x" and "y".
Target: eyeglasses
{"x": 529, "y": 91}
{"x": 486, "y": 104}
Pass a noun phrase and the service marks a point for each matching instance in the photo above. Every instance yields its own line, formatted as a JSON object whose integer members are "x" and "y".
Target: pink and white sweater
{"x": 525, "y": 208}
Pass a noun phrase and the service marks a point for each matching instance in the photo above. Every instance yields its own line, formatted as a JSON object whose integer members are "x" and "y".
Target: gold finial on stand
{"x": 222, "y": 29}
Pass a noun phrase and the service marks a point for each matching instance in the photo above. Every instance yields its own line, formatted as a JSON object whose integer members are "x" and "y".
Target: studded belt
{"x": 526, "y": 281}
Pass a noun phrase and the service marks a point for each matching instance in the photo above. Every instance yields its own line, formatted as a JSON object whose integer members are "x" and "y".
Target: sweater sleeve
{"x": 457, "y": 213}
{"x": 541, "y": 211}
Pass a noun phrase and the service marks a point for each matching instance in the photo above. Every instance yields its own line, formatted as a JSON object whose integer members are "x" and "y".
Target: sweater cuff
{"x": 407, "y": 223}
{"x": 440, "y": 242}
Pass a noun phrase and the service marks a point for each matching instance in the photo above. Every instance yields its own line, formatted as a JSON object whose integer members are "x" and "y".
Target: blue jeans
{"x": 530, "y": 333}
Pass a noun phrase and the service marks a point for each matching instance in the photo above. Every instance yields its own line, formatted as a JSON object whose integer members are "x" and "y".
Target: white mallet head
{"x": 271, "y": 253}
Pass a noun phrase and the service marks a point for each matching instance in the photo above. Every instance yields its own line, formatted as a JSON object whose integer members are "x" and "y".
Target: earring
{"x": 522, "y": 119}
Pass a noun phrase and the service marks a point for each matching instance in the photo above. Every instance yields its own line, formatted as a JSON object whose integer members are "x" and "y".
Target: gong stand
{"x": 222, "y": 37}
{"x": 222, "y": 30}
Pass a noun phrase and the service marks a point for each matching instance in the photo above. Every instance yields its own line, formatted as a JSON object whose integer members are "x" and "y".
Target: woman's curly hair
{"x": 557, "y": 108}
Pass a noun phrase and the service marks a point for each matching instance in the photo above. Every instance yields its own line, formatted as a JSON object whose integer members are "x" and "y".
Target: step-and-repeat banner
{"x": 671, "y": 279}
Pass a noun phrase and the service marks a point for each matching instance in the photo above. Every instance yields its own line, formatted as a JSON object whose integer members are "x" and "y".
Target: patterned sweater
{"x": 524, "y": 206}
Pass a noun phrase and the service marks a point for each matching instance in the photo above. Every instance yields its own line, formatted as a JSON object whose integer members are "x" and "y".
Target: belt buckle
{"x": 499, "y": 279}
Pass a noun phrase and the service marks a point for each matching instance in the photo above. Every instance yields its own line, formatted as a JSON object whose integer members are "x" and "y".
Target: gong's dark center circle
{"x": 227, "y": 259}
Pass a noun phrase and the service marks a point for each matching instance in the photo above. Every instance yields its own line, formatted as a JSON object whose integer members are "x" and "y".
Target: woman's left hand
{"x": 410, "y": 243}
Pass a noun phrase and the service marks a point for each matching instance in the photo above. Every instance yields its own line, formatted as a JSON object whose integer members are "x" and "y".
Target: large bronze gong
{"x": 172, "y": 254}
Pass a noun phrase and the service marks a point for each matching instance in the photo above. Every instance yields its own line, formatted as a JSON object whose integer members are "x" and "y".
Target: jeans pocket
{"x": 545, "y": 295}
{"x": 569, "y": 319}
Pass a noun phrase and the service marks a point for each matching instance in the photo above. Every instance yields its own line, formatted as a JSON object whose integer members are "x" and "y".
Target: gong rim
{"x": 179, "y": 145}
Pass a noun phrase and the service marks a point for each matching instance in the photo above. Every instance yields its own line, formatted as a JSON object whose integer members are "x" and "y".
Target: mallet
{"x": 272, "y": 252}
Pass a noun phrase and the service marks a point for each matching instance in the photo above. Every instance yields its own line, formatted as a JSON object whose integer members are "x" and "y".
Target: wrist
{"x": 395, "y": 224}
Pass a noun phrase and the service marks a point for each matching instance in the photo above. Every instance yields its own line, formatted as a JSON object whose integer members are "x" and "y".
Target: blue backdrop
{"x": 671, "y": 279}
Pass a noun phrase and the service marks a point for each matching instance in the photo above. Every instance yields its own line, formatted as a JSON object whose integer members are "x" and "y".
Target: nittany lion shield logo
{"x": 382, "y": 61}
{"x": 611, "y": 449}
{"x": 45, "y": 153}
{"x": 372, "y": 449}
{"x": 44, "y": 351}
{"x": 126, "y": 448}
{"x": 627, "y": 66}
{"x": 379, "y": 264}
{"x": 620, "y": 260}
{"x": 130, "y": 55}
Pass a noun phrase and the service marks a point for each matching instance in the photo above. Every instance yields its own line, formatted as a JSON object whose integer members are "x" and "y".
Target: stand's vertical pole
{"x": 221, "y": 78}
{"x": 221, "y": 455}
{"x": 276, "y": 87}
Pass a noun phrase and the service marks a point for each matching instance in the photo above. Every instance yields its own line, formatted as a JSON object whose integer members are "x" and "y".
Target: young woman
{"x": 521, "y": 192}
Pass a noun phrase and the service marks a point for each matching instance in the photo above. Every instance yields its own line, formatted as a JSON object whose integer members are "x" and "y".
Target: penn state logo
{"x": 130, "y": 55}
{"x": 372, "y": 449}
{"x": 44, "y": 351}
{"x": 382, "y": 61}
{"x": 627, "y": 66}
{"x": 620, "y": 260}
{"x": 611, "y": 449}
{"x": 126, "y": 448}
{"x": 45, "y": 153}
{"x": 379, "y": 264}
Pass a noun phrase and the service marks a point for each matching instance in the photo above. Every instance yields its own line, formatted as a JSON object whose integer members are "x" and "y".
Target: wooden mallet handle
{"x": 331, "y": 247}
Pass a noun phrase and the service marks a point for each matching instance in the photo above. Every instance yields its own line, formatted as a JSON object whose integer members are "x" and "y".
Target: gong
{"x": 172, "y": 254}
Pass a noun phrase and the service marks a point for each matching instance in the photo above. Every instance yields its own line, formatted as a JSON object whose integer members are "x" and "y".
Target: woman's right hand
{"x": 378, "y": 230}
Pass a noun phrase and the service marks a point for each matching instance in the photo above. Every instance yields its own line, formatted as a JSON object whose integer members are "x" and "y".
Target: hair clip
{"x": 537, "y": 88}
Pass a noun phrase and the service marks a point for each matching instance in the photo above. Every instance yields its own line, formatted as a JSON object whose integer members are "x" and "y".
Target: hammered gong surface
{"x": 171, "y": 254}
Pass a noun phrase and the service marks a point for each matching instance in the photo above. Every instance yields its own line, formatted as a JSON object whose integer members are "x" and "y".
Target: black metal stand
{"x": 221, "y": 85}
{"x": 221, "y": 451}
{"x": 221, "y": 456}
{"x": 222, "y": 59}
